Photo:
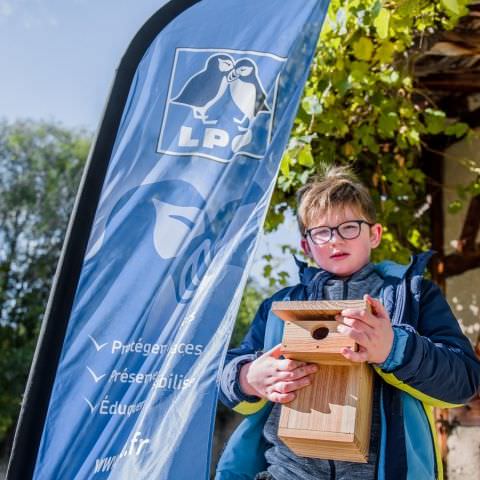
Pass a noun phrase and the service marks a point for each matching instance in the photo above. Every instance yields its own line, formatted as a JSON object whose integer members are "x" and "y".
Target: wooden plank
{"x": 347, "y": 438}
{"x": 326, "y": 450}
{"x": 299, "y": 342}
{"x": 363, "y": 421}
{"x": 314, "y": 309}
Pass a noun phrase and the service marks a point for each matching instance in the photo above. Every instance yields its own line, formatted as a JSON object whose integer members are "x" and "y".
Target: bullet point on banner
{"x": 92, "y": 407}
{"x": 95, "y": 377}
{"x": 97, "y": 345}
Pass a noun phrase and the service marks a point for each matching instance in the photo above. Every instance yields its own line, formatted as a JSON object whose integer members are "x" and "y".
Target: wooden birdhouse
{"x": 330, "y": 418}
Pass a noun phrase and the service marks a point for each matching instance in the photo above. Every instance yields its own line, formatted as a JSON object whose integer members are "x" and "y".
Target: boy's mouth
{"x": 339, "y": 255}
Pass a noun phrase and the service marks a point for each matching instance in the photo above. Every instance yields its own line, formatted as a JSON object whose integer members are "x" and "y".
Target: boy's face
{"x": 339, "y": 256}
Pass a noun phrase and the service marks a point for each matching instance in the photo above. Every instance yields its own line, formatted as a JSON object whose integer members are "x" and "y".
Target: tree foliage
{"x": 253, "y": 295}
{"x": 361, "y": 107}
{"x": 40, "y": 168}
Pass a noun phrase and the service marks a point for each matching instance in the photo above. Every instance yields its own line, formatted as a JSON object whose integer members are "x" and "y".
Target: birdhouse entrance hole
{"x": 320, "y": 333}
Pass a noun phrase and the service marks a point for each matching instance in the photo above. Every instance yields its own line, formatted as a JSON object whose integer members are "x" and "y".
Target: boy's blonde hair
{"x": 336, "y": 187}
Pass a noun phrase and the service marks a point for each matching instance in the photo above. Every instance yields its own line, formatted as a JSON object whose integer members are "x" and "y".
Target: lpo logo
{"x": 220, "y": 103}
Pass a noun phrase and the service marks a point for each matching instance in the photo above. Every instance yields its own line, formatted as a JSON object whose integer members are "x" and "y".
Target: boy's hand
{"x": 274, "y": 378}
{"x": 371, "y": 330}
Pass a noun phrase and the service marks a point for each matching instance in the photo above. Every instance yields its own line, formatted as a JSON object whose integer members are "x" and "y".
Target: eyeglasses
{"x": 346, "y": 230}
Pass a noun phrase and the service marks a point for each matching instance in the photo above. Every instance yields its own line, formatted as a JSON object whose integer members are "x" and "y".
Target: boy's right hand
{"x": 275, "y": 378}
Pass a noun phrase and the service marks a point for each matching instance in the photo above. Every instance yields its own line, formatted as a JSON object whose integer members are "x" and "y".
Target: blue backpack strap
{"x": 244, "y": 454}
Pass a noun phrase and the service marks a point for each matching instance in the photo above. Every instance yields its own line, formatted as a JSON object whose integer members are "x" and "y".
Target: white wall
{"x": 463, "y": 291}
{"x": 463, "y": 295}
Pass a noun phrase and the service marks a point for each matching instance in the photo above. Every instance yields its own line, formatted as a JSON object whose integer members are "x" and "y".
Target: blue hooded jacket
{"x": 431, "y": 364}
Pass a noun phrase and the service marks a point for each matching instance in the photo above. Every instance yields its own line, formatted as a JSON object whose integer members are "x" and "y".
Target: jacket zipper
{"x": 333, "y": 470}
{"x": 333, "y": 473}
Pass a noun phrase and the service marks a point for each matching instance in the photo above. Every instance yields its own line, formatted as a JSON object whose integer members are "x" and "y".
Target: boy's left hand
{"x": 372, "y": 330}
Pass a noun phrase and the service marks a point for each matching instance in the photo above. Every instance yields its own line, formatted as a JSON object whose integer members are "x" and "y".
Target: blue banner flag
{"x": 174, "y": 196}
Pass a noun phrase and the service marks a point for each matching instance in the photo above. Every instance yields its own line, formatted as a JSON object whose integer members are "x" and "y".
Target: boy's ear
{"x": 376, "y": 235}
{"x": 305, "y": 247}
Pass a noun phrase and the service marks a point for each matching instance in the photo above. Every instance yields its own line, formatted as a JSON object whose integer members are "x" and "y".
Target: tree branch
{"x": 457, "y": 263}
{"x": 466, "y": 82}
{"x": 433, "y": 166}
{"x": 471, "y": 225}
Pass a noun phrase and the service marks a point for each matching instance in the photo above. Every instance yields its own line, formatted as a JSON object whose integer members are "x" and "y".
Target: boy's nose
{"x": 335, "y": 237}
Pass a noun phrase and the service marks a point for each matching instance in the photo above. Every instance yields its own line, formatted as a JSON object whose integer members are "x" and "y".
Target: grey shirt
{"x": 286, "y": 465}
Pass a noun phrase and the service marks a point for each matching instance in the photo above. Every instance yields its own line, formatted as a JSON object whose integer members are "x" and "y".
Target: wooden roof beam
{"x": 467, "y": 82}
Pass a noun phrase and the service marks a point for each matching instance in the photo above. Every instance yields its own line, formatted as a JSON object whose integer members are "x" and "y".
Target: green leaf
{"x": 435, "y": 121}
{"x": 312, "y": 105}
{"x": 267, "y": 270}
{"x": 475, "y": 188}
{"x": 413, "y": 136}
{"x": 385, "y": 52}
{"x": 451, "y": 5}
{"x": 382, "y": 23}
{"x": 358, "y": 70}
{"x": 363, "y": 49}
{"x": 285, "y": 164}
{"x": 407, "y": 82}
{"x": 376, "y": 7}
{"x": 305, "y": 157}
{"x": 455, "y": 206}
{"x": 388, "y": 124}
{"x": 415, "y": 238}
{"x": 458, "y": 129}
{"x": 390, "y": 77}
{"x": 407, "y": 7}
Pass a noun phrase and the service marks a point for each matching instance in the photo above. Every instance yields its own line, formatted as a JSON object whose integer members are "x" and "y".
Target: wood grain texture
{"x": 313, "y": 309}
{"x": 299, "y": 342}
{"x": 331, "y": 418}
{"x": 327, "y": 450}
{"x": 363, "y": 420}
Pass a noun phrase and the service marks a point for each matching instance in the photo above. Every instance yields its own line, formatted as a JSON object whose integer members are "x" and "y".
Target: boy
{"x": 411, "y": 338}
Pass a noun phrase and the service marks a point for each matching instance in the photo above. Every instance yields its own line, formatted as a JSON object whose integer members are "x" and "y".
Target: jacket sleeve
{"x": 436, "y": 363}
{"x": 230, "y": 393}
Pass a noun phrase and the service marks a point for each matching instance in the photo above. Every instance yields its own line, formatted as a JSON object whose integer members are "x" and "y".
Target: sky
{"x": 58, "y": 61}
{"x": 58, "y": 57}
